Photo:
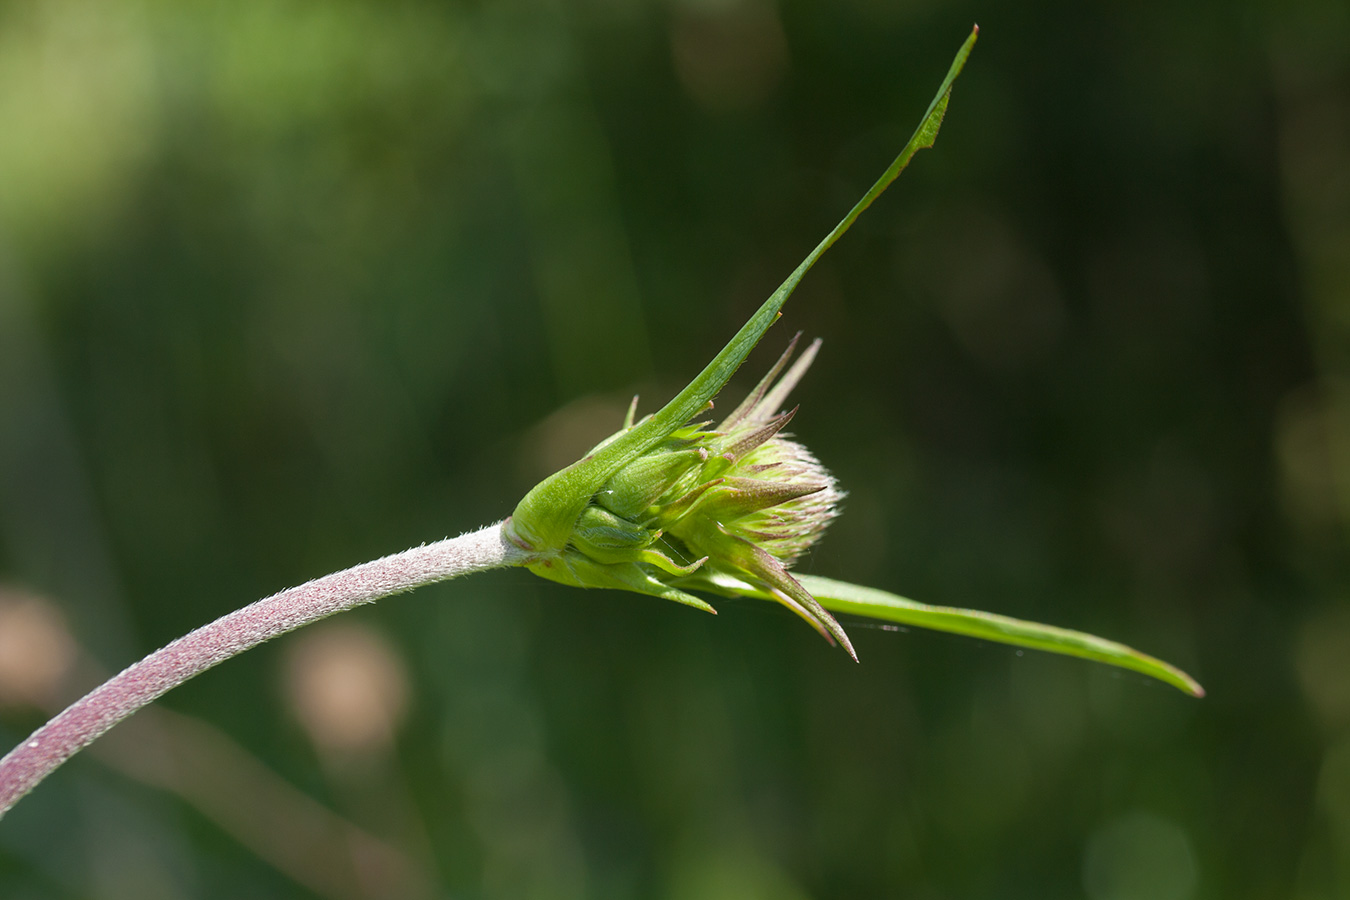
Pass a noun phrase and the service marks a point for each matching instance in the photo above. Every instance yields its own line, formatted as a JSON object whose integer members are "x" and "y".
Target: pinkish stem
{"x": 120, "y": 696}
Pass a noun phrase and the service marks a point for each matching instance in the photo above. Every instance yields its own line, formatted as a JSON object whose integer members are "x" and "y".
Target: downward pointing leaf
{"x": 842, "y": 597}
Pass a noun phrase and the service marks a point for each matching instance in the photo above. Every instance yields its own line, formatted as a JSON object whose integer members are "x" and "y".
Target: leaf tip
{"x": 1183, "y": 681}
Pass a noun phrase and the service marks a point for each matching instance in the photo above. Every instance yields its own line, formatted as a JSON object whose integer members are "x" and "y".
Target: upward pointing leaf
{"x": 543, "y": 520}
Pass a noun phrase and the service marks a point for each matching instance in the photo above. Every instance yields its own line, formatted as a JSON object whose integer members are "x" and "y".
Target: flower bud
{"x": 726, "y": 508}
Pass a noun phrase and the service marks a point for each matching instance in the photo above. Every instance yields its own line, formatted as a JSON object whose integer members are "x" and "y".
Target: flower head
{"x": 726, "y": 508}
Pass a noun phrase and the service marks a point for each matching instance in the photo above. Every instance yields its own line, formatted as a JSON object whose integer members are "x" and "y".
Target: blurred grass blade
{"x": 842, "y": 597}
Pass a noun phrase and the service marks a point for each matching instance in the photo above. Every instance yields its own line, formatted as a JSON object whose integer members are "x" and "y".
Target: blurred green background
{"x": 285, "y": 286}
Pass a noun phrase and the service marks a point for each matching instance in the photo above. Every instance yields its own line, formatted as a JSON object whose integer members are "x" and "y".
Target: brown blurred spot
{"x": 348, "y": 688}
{"x": 728, "y": 54}
{"x": 329, "y": 855}
{"x": 36, "y": 650}
{"x": 566, "y": 435}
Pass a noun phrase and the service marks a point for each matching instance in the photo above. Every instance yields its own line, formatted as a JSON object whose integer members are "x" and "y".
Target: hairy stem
{"x": 120, "y": 696}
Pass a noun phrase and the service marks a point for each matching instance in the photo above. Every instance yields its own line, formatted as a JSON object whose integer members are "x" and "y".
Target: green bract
{"x": 668, "y": 504}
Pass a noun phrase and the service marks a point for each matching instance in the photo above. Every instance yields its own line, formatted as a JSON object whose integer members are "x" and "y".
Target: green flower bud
{"x": 726, "y": 508}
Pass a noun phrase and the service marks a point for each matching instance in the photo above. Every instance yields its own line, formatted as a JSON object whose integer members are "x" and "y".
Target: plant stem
{"x": 120, "y": 696}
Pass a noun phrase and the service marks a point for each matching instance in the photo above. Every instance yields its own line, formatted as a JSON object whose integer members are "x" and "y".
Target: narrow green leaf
{"x": 545, "y": 516}
{"x": 842, "y": 597}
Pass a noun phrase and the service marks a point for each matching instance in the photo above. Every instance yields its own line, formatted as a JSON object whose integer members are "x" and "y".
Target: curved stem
{"x": 84, "y": 720}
